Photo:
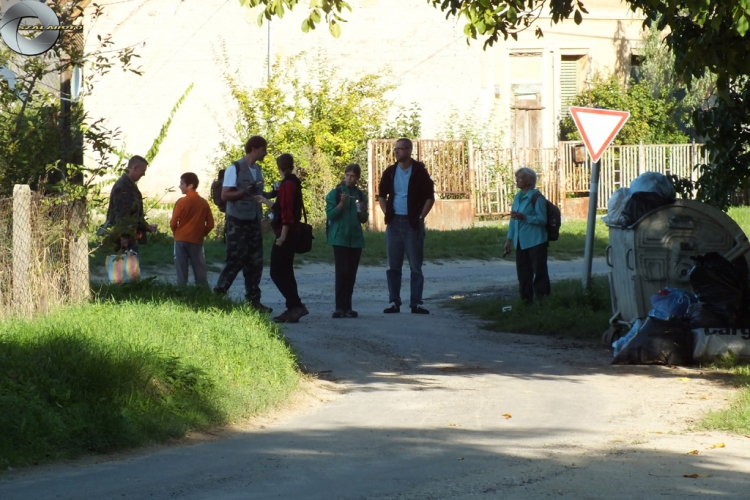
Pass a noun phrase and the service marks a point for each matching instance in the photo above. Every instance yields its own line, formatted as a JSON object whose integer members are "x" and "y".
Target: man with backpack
{"x": 527, "y": 234}
{"x": 242, "y": 181}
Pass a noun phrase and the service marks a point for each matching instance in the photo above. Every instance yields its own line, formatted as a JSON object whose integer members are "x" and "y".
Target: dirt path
{"x": 424, "y": 407}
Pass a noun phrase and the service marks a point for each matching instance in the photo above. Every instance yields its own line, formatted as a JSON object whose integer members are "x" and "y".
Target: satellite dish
{"x": 9, "y": 76}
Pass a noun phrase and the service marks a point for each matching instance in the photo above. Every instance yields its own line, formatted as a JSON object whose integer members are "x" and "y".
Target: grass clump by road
{"x": 567, "y": 311}
{"x": 736, "y": 418}
{"x": 141, "y": 364}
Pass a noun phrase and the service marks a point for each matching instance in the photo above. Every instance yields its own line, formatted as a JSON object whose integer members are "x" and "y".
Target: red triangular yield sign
{"x": 598, "y": 127}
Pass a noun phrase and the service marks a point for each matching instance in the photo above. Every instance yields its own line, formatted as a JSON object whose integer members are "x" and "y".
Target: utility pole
{"x": 71, "y": 143}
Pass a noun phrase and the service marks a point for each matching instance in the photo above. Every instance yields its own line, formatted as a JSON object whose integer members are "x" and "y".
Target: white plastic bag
{"x": 615, "y": 205}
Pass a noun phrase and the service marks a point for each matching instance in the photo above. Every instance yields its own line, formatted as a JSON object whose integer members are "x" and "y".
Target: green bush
{"x": 320, "y": 118}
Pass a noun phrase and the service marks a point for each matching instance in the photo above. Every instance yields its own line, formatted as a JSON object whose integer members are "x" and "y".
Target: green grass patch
{"x": 741, "y": 215}
{"x": 567, "y": 311}
{"x": 475, "y": 243}
{"x": 143, "y": 363}
{"x": 735, "y": 418}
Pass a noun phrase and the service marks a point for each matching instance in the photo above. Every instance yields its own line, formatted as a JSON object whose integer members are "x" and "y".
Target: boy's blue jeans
{"x": 400, "y": 239}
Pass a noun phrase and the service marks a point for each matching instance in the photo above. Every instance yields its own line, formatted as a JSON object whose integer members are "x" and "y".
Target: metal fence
{"x": 43, "y": 253}
{"x": 446, "y": 160}
{"x": 566, "y": 170}
{"x": 494, "y": 186}
{"x": 486, "y": 175}
{"x": 621, "y": 164}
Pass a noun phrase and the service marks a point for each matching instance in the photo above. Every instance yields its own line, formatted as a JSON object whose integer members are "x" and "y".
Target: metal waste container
{"x": 655, "y": 252}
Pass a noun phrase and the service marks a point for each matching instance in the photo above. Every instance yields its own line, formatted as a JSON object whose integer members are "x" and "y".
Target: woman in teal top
{"x": 528, "y": 236}
{"x": 346, "y": 210}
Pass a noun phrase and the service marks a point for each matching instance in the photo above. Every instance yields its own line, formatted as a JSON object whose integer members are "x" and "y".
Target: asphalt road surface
{"x": 408, "y": 406}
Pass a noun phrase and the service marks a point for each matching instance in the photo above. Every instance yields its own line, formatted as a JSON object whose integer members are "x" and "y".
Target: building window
{"x": 636, "y": 72}
{"x": 569, "y": 66}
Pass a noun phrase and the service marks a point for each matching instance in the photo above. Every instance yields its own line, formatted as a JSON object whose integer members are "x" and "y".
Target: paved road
{"x": 425, "y": 407}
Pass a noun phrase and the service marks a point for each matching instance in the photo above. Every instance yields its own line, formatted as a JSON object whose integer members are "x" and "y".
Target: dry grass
{"x": 49, "y": 236}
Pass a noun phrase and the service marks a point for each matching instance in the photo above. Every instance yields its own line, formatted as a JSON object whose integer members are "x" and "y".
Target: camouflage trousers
{"x": 245, "y": 253}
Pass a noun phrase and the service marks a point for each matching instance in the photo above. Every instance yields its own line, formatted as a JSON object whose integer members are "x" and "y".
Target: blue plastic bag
{"x": 618, "y": 344}
{"x": 672, "y": 305}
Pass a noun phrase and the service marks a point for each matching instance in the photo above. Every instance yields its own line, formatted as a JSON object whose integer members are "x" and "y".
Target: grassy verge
{"x": 567, "y": 312}
{"x": 142, "y": 364}
{"x": 474, "y": 243}
{"x": 736, "y": 418}
{"x": 741, "y": 215}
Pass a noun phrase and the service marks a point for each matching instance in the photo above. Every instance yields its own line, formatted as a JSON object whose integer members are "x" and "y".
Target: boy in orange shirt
{"x": 191, "y": 222}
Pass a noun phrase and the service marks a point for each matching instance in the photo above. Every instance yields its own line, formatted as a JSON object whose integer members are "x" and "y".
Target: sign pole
{"x": 588, "y": 251}
{"x": 598, "y": 128}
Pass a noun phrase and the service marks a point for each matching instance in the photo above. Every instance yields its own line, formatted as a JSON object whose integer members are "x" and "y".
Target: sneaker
{"x": 261, "y": 308}
{"x": 338, "y": 313}
{"x": 350, "y": 314}
{"x": 283, "y": 317}
{"x": 419, "y": 309}
{"x": 392, "y": 308}
{"x": 296, "y": 313}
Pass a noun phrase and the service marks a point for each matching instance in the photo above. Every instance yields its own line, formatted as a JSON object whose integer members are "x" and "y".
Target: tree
{"x": 323, "y": 120}
{"x": 36, "y": 146}
{"x": 489, "y": 18}
{"x": 706, "y": 38}
{"x": 651, "y": 119}
{"x": 657, "y": 71}
{"x": 660, "y": 104}
{"x": 725, "y": 128}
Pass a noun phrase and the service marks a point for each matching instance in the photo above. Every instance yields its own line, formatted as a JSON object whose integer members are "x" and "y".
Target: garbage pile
{"x": 648, "y": 191}
{"x": 685, "y": 328}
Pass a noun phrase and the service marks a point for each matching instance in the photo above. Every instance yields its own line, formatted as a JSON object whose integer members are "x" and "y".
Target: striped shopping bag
{"x": 123, "y": 268}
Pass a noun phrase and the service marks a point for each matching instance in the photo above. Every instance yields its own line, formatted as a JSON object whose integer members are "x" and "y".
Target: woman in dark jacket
{"x": 346, "y": 210}
{"x": 287, "y": 213}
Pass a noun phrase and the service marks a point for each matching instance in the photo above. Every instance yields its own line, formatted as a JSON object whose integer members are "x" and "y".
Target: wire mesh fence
{"x": 43, "y": 253}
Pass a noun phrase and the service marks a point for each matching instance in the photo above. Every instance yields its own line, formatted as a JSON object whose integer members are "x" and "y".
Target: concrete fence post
{"x": 22, "y": 250}
{"x": 78, "y": 273}
{"x": 472, "y": 178}
{"x": 371, "y": 187}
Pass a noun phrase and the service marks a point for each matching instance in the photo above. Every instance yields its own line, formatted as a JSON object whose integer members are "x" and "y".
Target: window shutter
{"x": 568, "y": 81}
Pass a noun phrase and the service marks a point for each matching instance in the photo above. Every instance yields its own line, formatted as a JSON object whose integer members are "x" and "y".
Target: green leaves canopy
{"x": 323, "y": 120}
{"x": 651, "y": 119}
{"x": 704, "y": 35}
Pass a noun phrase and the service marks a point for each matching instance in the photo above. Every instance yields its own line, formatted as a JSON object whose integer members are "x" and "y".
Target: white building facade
{"x": 523, "y": 84}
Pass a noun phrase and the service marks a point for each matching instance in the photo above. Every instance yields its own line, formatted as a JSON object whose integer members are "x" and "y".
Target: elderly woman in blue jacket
{"x": 528, "y": 236}
{"x": 346, "y": 210}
